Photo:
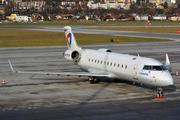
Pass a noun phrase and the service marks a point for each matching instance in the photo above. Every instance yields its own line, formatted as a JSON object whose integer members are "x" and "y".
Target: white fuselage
{"x": 126, "y": 67}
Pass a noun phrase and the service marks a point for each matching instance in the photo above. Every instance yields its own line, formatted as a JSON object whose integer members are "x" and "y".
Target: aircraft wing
{"x": 62, "y": 73}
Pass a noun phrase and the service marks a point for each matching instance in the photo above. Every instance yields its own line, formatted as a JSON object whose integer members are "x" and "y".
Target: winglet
{"x": 167, "y": 60}
{"x": 11, "y": 66}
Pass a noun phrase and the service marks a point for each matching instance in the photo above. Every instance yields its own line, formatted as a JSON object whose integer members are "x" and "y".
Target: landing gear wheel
{"x": 117, "y": 81}
{"x": 93, "y": 80}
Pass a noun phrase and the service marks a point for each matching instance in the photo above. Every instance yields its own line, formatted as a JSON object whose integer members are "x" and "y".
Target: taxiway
{"x": 32, "y": 96}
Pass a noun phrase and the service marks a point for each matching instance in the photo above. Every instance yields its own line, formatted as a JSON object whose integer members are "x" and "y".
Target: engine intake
{"x": 72, "y": 55}
{"x": 105, "y": 50}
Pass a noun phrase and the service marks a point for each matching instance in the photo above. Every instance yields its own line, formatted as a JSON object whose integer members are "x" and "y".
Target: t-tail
{"x": 70, "y": 39}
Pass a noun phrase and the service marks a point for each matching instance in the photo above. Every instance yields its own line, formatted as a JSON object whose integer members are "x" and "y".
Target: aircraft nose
{"x": 167, "y": 79}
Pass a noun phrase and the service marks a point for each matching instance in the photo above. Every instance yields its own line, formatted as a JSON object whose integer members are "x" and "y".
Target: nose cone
{"x": 169, "y": 80}
{"x": 166, "y": 79}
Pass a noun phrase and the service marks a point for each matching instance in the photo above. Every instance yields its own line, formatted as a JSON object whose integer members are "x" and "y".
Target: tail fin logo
{"x": 69, "y": 39}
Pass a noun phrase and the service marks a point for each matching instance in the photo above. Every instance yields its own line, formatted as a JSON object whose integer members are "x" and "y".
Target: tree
{"x": 171, "y": 10}
{"x": 178, "y": 11}
{"x": 46, "y": 18}
{"x": 160, "y": 11}
{"x": 152, "y": 11}
{"x": 138, "y": 2}
{"x": 165, "y": 5}
{"x": 178, "y": 3}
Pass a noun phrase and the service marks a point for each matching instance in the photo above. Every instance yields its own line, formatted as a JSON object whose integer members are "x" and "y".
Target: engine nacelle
{"x": 104, "y": 50}
{"x": 72, "y": 55}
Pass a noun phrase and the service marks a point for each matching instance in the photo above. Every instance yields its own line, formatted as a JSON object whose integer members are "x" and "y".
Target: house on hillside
{"x": 174, "y": 18}
{"x": 2, "y": 10}
{"x": 159, "y": 17}
{"x": 68, "y": 16}
{"x": 36, "y": 16}
{"x": 11, "y": 17}
{"x": 21, "y": 18}
{"x": 58, "y": 17}
{"x": 141, "y": 17}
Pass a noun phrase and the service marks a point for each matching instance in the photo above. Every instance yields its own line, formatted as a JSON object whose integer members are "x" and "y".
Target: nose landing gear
{"x": 93, "y": 80}
{"x": 160, "y": 93}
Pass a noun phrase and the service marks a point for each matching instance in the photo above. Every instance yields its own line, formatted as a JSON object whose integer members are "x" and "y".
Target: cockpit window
{"x": 155, "y": 68}
{"x": 163, "y": 67}
{"x": 147, "y": 67}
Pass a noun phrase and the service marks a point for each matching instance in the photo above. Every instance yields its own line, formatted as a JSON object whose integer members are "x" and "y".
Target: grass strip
{"x": 88, "y": 23}
{"x": 29, "y": 38}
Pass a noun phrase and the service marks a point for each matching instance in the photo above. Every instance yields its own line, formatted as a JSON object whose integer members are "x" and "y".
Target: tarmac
{"x": 51, "y": 97}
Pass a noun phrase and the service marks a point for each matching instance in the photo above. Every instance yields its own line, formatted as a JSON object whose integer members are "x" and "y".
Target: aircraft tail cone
{"x": 177, "y": 73}
{"x": 3, "y": 82}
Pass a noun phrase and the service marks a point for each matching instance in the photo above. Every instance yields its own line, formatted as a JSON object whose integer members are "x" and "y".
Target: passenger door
{"x": 134, "y": 72}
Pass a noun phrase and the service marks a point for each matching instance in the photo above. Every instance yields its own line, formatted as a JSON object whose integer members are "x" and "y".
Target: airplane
{"x": 104, "y": 63}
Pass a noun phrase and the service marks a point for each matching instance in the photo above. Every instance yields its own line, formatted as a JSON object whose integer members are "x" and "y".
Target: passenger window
{"x": 121, "y": 66}
{"x": 114, "y": 64}
{"x": 126, "y": 67}
{"x": 89, "y": 59}
{"x": 104, "y": 62}
{"x": 101, "y": 62}
{"x": 107, "y": 63}
{"x": 111, "y": 64}
{"x": 118, "y": 65}
{"x": 92, "y": 60}
{"x": 98, "y": 61}
{"x": 95, "y": 61}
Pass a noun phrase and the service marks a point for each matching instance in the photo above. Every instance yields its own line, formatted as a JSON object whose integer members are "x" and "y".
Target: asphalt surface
{"x": 51, "y": 97}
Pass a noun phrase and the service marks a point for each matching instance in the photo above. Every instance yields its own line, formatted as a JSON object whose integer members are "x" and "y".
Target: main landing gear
{"x": 93, "y": 80}
{"x": 159, "y": 93}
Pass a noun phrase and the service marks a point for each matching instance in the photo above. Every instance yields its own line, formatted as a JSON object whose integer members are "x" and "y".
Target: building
{"x": 11, "y": 17}
{"x": 175, "y": 17}
{"x": 18, "y": 18}
{"x": 93, "y": 5}
{"x": 159, "y": 17}
{"x": 120, "y": 5}
{"x": 112, "y": 5}
{"x": 171, "y": 1}
{"x": 113, "y": 1}
{"x": 103, "y": 5}
{"x": 107, "y": 5}
{"x": 21, "y": 18}
{"x": 2, "y": 10}
{"x": 68, "y": 3}
{"x": 31, "y": 5}
{"x": 141, "y": 17}
{"x": 131, "y": 1}
{"x": 1, "y": 2}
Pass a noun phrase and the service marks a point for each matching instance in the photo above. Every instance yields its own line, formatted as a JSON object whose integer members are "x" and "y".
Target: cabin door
{"x": 134, "y": 71}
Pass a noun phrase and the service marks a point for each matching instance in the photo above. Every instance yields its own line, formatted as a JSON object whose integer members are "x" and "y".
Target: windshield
{"x": 155, "y": 68}
{"x": 163, "y": 67}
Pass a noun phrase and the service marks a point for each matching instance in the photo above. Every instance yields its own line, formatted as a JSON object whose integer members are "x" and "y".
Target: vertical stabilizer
{"x": 70, "y": 39}
{"x": 167, "y": 60}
